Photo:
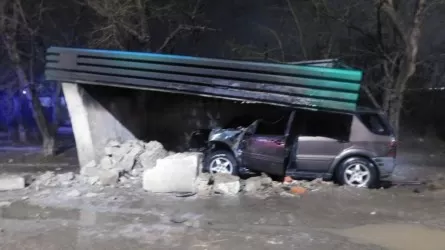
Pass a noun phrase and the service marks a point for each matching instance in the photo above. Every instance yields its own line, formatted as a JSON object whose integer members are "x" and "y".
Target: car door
{"x": 324, "y": 137}
{"x": 265, "y": 150}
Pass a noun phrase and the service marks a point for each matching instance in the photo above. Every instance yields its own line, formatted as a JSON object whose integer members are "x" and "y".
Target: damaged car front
{"x": 223, "y": 154}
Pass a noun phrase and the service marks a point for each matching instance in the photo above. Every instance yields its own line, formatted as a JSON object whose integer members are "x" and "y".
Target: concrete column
{"x": 96, "y": 120}
{"x": 79, "y": 121}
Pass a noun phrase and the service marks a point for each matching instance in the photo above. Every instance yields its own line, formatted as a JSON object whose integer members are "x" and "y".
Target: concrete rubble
{"x": 123, "y": 162}
{"x": 136, "y": 164}
{"x": 12, "y": 183}
{"x": 226, "y": 184}
{"x": 174, "y": 173}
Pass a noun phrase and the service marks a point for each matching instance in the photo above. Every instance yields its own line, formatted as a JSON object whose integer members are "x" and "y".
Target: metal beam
{"x": 276, "y": 84}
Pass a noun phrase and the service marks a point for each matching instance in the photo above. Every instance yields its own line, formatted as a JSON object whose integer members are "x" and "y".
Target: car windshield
{"x": 375, "y": 123}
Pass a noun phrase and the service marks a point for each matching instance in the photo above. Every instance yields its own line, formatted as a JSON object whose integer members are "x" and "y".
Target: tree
{"x": 131, "y": 24}
{"x": 20, "y": 26}
{"x": 383, "y": 42}
{"x": 408, "y": 29}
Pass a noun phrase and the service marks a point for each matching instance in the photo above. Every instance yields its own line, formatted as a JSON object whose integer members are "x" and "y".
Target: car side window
{"x": 271, "y": 127}
{"x": 331, "y": 125}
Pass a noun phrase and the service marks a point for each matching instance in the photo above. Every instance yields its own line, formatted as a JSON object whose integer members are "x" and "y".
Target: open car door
{"x": 264, "y": 148}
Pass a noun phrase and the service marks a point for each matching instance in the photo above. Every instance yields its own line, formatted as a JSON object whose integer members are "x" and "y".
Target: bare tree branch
{"x": 176, "y": 32}
{"x": 298, "y": 27}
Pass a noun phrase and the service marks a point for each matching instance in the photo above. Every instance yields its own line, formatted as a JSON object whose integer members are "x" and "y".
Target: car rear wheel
{"x": 357, "y": 172}
{"x": 221, "y": 161}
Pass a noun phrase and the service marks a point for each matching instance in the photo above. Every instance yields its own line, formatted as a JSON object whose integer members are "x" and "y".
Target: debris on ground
{"x": 435, "y": 183}
{"x": 5, "y": 203}
{"x": 298, "y": 190}
{"x": 313, "y": 185}
{"x": 257, "y": 184}
{"x": 174, "y": 173}
{"x": 226, "y": 184}
{"x": 10, "y": 182}
{"x": 150, "y": 166}
{"x": 123, "y": 162}
{"x": 204, "y": 184}
{"x": 74, "y": 193}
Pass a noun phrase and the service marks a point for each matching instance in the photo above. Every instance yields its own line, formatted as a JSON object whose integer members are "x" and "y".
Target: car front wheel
{"x": 357, "y": 172}
{"x": 221, "y": 161}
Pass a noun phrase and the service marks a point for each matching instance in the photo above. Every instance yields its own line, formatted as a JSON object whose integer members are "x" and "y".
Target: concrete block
{"x": 105, "y": 176}
{"x": 12, "y": 183}
{"x": 226, "y": 184}
{"x": 175, "y": 173}
{"x": 153, "y": 151}
{"x": 128, "y": 160}
{"x": 106, "y": 163}
{"x": 258, "y": 183}
{"x": 109, "y": 177}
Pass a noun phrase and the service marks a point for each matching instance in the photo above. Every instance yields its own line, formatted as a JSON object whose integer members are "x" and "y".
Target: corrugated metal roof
{"x": 291, "y": 85}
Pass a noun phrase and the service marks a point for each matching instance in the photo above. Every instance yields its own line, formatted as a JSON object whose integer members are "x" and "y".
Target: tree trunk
{"x": 407, "y": 66}
{"x": 47, "y": 132}
{"x": 21, "y": 128}
{"x": 395, "y": 108}
{"x": 56, "y": 108}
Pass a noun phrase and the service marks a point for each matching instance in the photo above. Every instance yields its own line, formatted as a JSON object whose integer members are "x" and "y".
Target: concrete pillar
{"x": 94, "y": 122}
{"x": 79, "y": 121}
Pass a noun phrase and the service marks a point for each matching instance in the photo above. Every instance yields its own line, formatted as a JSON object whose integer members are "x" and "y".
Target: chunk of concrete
{"x": 153, "y": 152}
{"x": 5, "y": 203}
{"x": 127, "y": 162}
{"x": 46, "y": 179}
{"x": 109, "y": 177}
{"x": 73, "y": 193}
{"x": 106, "y": 163}
{"x": 90, "y": 164}
{"x": 258, "y": 183}
{"x": 105, "y": 176}
{"x": 12, "y": 183}
{"x": 122, "y": 150}
{"x": 226, "y": 184}
{"x": 111, "y": 148}
{"x": 66, "y": 177}
{"x": 175, "y": 173}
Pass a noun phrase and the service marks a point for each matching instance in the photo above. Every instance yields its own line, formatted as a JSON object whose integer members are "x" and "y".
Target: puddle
{"x": 24, "y": 211}
{"x": 396, "y": 236}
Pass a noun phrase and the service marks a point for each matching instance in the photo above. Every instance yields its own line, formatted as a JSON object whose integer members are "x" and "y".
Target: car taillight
{"x": 392, "y": 148}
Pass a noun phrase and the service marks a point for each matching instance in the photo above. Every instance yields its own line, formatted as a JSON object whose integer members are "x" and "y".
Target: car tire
{"x": 221, "y": 161}
{"x": 357, "y": 172}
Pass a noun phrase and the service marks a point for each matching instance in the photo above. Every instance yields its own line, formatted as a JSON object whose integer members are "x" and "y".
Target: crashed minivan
{"x": 353, "y": 148}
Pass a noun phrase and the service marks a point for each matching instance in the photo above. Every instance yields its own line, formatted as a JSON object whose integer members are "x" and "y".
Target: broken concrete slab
{"x": 110, "y": 177}
{"x": 153, "y": 151}
{"x": 127, "y": 162}
{"x": 111, "y": 147}
{"x": 226, "y": 184}
{"x": 73, "y": 193}
{"x": 257, "y": 183}
{"x": 121, "y": 151}
{"x": 5, "y": 203}
{"x": 66, "y": 177}
{"x": 107, "y": 162}
{"x": 46, "y": 179}
{"x": 10, "y": 182}
{"x": 175, "y": 173}
{"x": 105, "y": 176}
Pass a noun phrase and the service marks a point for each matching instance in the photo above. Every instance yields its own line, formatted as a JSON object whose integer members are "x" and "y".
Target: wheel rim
{"x": 221, "y": 165}
{"x": 357, "y": 175}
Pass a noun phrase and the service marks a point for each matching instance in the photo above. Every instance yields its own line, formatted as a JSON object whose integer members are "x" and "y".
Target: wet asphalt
{"x": 331, "y": 218}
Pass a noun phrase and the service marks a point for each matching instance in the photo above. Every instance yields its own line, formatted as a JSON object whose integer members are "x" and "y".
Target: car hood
{"x": 229, "y": 136}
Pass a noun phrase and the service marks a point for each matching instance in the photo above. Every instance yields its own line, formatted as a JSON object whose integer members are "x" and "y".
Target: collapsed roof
{"x": 311, "y": 84}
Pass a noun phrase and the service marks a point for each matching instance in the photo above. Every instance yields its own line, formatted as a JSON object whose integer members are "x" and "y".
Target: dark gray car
{"x": 356, "y": 148}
